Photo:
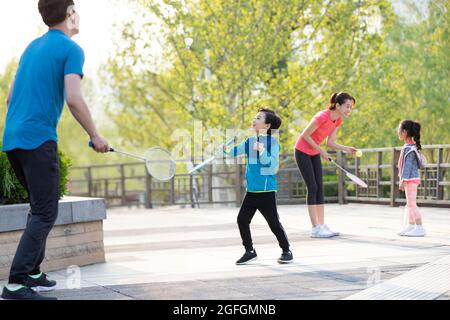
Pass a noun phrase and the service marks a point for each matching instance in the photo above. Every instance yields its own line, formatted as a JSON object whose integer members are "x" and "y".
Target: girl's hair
{"x": 412, "y": 129}
{"x": 340, "y": 98}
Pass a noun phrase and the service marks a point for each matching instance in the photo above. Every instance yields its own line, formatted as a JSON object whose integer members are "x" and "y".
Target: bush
{"x": 12, "y": 192}
{"x": 331, "y": 190}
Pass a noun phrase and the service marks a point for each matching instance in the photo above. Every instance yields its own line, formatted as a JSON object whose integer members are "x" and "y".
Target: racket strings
{"x": 160, "y": 164}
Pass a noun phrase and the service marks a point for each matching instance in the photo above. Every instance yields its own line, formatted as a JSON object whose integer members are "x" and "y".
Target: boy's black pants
{"x": 38, "y": 172}
{"x": 266, "y": 203}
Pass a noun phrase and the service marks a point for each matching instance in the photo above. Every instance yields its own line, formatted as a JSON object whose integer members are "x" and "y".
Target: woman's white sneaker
{"x": 407, "y": 229}
{"x": 418, "y": 231}
{"x": 320, "y": 232}
{"x": 335, "y": 234}
{"x": 315, "y": 232}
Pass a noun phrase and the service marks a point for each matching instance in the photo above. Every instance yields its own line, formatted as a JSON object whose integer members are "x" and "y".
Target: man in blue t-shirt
{"x": 49, "y": 72}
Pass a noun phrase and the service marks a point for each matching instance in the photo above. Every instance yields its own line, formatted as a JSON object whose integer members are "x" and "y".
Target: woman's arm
{"x": 306, "y": 135}
{"x": 331, "y": 142}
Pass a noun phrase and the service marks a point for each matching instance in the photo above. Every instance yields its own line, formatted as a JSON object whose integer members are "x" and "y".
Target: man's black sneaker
{"x": 247, "y": 257}
{"x": 24, "y": 293}
{"x": 41, "y": 284}
{"x": 286, "y": 257}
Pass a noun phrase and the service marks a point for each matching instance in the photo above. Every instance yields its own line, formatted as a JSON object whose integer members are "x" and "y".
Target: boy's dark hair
{"x": 271, "y": 118}
{"x": 54, "y": 12}
{"x": 412, "y": 129}
{"x": 340, "y": 98}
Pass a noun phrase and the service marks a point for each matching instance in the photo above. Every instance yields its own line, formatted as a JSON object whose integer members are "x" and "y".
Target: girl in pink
{"x": 308, "y": 153}
{"x": 409, "y": 163}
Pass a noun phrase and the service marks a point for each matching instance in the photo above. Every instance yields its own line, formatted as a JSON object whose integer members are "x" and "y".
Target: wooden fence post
{"x": 394, "y": 175}
{"x": 341, "y": 178}
{"x": 89, "y": 177}
{"x": 210, "y": 184}
{"x": 106, "y": 189}
{"x": 439, "y": 175}
{"x": 148, "y": 191}
{"x": 191, "y": 188}
{"x": 122, "y": 185}
{"x": 357, "y": 164}
{"x": 238, "y": 186}
{"x": 289, "y": 185}
{"x": 172, "y": 191}
{"x": 379, "y": 174}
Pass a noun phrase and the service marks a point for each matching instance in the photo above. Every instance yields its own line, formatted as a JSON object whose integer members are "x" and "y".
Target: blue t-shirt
{"x": 37, "y": 99}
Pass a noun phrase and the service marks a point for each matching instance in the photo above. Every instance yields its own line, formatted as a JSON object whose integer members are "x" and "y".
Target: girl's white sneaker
{"x": 407, "y": 229}
{"x": 418, "y": 231}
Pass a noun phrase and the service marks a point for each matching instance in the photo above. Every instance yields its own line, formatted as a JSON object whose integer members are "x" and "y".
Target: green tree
{"x": 72, "y": 138}
{"x": 6, "y": 78}
{"x": 288, "y": 55}
{"x": 409, "y": 80}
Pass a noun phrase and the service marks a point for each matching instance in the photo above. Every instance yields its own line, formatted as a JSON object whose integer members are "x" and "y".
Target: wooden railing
{"x": 381, "y": 174}
{"x": 129, "y": 184}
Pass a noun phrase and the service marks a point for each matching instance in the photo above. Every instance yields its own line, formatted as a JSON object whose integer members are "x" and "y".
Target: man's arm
{"x": 81, "y": 113}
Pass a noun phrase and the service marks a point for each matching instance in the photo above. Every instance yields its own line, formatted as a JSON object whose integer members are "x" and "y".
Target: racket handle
{"x": 91, "y": 145}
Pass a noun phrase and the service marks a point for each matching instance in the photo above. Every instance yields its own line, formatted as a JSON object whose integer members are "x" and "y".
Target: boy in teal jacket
{"x": 262, "y": 153}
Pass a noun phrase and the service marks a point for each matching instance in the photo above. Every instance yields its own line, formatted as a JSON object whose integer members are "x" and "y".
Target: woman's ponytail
{"x": 332, "y": 104}
{"x": 340, "y": 98}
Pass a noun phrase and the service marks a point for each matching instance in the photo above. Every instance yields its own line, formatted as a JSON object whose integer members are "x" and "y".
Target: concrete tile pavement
{"x": 175, "y": 253}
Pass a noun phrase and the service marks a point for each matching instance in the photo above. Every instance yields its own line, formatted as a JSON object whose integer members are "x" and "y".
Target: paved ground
{"x": 175, "y": 253}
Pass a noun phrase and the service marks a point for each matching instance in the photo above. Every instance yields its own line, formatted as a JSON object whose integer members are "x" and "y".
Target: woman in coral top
{"x": 308, "y": 152}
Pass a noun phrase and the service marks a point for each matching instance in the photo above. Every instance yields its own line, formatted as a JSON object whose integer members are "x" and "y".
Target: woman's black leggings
{"x": 311, "y": 170}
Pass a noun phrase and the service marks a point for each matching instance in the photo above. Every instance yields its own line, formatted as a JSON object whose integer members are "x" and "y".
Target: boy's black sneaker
{"x": 247, "y": 257}
{"x": 23, "y": 294}
{"x": 286, "y": 257}
{"x": 41, "y": 284}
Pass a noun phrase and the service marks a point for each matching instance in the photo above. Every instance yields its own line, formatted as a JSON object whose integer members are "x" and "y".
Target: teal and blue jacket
{"x": 262, "y": 167}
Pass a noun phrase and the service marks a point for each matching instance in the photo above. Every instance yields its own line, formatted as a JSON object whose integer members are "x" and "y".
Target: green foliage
{"x": 332, "y": 189}
{"x": 64, "y": 170}
{"x": 12, "y": 192}
{"x": 68, "y": 127}
{"x": 5, "y": 83}
{"x": 289, "y": 55}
